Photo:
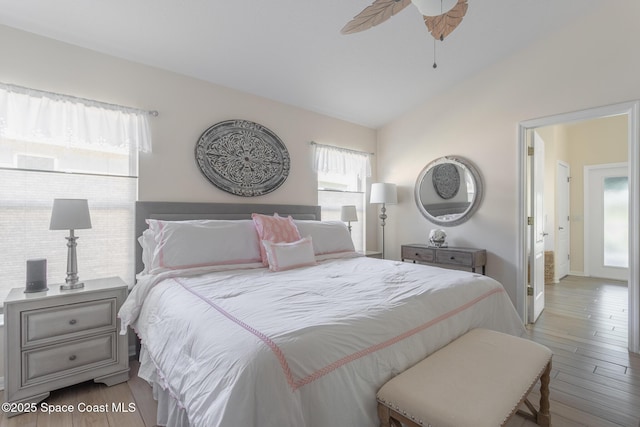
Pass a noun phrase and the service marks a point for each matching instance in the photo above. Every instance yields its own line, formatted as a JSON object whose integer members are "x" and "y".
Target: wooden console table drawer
{"x": 459, "y": 257}
{"x": 415, "y": 253}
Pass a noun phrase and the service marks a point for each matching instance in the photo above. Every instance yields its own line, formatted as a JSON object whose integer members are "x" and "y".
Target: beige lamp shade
{"x": 383, "y": 192}
{"x": 348, "y": 213}
{"x": 70, "y": 214}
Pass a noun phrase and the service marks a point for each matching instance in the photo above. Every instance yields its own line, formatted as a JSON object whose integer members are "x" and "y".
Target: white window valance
{"x": 45, "y": 117}
{"x": 329, "y": 159}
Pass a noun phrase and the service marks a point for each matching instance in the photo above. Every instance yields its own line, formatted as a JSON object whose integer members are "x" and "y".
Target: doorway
{"x": 632, "y": 112}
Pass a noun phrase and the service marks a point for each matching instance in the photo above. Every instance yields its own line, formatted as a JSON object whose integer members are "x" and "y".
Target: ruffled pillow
{"x": 286, "y": 256}
{"x": 275, "y": 229}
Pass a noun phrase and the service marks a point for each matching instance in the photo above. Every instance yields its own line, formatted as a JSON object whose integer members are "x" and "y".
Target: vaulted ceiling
{"x": 292, "y": 50}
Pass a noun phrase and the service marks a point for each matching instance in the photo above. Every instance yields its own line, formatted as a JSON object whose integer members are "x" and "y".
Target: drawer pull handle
{"x": 417, "y": 254}
{"x": 452, "y": 258}
{"x": 73, "y": 321}
{"x": 72, "y": 357}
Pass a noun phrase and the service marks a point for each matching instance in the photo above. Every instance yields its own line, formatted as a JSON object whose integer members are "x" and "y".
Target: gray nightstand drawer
{"x": 65, "y": 358}
{"x": 56, "y": 323}
{"x": 464, "y": 259}
{"x": 417, "y": 253}
{"x": 57, "y": 338}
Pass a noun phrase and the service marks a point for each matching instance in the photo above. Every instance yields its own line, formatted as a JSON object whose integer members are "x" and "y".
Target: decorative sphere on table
{"x": 437, "y": 237}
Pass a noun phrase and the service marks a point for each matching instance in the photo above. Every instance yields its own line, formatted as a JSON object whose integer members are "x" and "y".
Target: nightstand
{"x": 446, "y": 257}
{"x": 55, "y": 339}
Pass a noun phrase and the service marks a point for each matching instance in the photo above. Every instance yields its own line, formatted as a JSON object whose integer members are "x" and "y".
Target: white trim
{"x": 632, "y": 111}
{"x": 556, "y": 276}
{"x": 577, "y": 273}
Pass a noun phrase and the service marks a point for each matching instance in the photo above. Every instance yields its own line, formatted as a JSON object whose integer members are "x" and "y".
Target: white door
{"x": 607, "y": 221}
{"x": 536, "y": 301}
{"x": 562, "y": 221}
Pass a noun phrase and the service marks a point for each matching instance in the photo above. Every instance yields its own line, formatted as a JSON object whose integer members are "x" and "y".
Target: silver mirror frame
{"x": 475, "y": 203}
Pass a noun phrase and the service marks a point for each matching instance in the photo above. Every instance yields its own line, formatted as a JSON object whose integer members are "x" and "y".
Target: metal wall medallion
{"x": 242, "y": 158}
{"x": 446, "y": 180}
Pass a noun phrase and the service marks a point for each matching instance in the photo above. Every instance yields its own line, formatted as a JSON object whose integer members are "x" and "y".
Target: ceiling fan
{"x": 440, "y": 16}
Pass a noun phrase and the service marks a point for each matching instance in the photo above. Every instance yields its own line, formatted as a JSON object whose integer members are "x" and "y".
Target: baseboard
{"x": 577, "y": 273}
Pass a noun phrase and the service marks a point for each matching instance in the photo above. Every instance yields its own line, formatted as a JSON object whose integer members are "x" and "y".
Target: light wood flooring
{"x": 594, "y": 381}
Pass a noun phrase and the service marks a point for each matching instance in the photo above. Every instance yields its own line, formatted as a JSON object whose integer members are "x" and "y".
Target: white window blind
{"x": 342, "y": 175}
{"x": 92, "y": 155}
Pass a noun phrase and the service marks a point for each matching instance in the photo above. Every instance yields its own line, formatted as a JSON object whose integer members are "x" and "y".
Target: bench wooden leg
{"x": 383, "y": 415}
{"x": 388, "y": 417}
{"x": 543, "y": 416}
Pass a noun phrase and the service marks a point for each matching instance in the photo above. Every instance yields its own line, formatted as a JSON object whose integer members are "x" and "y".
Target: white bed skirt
{"x": 170, "y": 413}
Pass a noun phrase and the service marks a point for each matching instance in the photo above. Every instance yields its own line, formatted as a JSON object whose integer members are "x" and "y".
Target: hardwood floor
{"x": 594, "y": 382}
{"x": 135, "y": 396}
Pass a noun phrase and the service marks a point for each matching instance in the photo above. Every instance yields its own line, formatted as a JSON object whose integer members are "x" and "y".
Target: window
{"x": 54, "y": 146}
{"x": 342, "y": 178}
{"x": 616, "y": 222}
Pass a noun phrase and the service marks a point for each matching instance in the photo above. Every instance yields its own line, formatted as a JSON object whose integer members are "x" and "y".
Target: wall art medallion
{"x": 242, "y": 158}
{"x": 446, "y": 180}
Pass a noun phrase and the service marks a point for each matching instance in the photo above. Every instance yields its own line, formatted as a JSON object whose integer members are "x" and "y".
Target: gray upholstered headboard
{"x": 180, "y": 211}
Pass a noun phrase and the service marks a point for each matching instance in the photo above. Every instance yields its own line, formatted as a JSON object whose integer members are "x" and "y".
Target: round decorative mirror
{"x": 448, "y": 191}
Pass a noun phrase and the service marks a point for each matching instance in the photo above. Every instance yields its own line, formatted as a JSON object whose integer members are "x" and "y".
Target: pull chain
{"x": 435, "y": 65}
{"x": 434, "y": 54}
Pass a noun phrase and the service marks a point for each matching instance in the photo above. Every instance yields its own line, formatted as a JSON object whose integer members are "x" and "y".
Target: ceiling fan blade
{"x": 378, "y": 12}
{"x": 442, "y": 25}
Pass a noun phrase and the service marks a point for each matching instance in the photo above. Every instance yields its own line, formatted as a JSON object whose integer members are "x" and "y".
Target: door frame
{"x": 537, "y": 234}
{"x": 632, "y": 111}
{"x": 567, "y": 186}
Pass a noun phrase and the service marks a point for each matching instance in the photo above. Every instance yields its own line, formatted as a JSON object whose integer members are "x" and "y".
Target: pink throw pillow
{"x": 286, "y": 256}
{"x": 275, "y": 229}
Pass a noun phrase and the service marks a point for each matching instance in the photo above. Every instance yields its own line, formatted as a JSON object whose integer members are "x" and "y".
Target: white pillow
{"x": 286, "y": 256}
{"x": 189, "y": 244}
{"x": 329, "y": 237}
{"x": 148, "y": 243}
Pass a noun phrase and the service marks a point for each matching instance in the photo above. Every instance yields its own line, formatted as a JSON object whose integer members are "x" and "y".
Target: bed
{"x": 300, "y": 342}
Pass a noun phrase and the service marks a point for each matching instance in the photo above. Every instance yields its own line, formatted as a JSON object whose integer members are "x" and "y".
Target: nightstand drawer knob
{"x": 417, "y": 254}
{"x": 72, "y": 357}
{"x": 452, "y": 257}
{"x": 73, "y": 321}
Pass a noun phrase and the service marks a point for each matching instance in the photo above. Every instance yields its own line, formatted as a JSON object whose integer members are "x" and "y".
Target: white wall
{"x": 592, "y": 62}
{"x": 187, "y": 107}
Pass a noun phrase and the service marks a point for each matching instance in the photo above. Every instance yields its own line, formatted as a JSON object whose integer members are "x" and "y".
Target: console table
{"x": 459, "y": 257}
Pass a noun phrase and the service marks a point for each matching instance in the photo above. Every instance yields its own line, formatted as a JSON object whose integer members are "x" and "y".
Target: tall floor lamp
{"x": 385, "y": 193}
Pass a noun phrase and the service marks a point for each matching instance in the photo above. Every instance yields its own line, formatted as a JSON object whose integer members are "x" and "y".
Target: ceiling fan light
{"x": 434, "y": 7}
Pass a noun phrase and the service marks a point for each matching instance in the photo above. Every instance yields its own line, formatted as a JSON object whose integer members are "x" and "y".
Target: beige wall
{"x": 573, "y": 69}
{"x": 594, "y": 142}
{"x": 187, "y": 107}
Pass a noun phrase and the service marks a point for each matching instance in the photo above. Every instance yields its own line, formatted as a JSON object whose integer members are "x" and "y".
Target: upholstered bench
{"x": 479, "y": 379}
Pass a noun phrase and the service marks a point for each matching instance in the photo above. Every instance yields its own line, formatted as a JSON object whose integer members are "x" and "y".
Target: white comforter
{"x": 307, "y": 347}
